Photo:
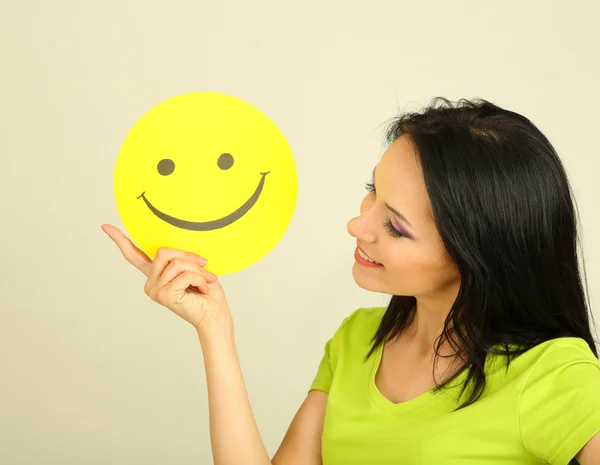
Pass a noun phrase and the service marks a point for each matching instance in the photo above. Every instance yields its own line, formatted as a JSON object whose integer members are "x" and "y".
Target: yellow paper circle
{"x": 207, "y": 173}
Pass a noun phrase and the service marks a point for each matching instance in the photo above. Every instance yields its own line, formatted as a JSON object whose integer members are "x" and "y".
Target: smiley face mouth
{"x": 213, "y": 224}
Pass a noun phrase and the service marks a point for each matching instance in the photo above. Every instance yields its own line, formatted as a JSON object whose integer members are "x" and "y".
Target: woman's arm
{"x": 177, "y": 280}
{"x": 302, "y": 442}
{"x": 234, "y": 435}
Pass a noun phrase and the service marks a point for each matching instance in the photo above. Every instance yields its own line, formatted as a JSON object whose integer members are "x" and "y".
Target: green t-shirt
{"x": 543, "y": 410}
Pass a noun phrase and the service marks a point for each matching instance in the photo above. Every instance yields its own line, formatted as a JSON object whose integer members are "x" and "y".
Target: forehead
{"x": 400, "y": 179}
{"x": 399, "y": 170}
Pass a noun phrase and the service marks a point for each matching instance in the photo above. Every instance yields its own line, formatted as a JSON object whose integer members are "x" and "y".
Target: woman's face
{"x": 410, "y": 250}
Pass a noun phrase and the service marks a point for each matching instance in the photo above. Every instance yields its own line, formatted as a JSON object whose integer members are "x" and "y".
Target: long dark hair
{"x": 504, "y": 209}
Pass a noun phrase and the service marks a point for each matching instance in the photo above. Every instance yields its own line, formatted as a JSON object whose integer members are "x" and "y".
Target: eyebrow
{"x": 394, "y": 211}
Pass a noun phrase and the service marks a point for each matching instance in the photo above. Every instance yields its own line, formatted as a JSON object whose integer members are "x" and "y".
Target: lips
{"x": 363, "y": 251}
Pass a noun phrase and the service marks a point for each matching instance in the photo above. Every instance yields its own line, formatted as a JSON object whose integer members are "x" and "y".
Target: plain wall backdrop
{"x": 94, "y": 372}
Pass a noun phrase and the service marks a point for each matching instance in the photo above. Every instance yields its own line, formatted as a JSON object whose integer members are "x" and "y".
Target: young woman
{"x": 484, "y": 354}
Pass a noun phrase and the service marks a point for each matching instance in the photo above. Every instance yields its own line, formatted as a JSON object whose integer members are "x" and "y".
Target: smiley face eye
{"x": 225, "y": 161}
{"x": 166, "y": 166}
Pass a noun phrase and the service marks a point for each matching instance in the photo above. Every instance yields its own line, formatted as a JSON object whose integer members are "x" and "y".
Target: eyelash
{"x": 370, "y": 186}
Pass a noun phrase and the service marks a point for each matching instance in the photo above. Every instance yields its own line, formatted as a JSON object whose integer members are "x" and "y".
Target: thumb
{"x": 216, "y": 289}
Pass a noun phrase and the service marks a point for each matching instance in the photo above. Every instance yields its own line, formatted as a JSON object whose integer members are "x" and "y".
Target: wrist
{"x": 215, "y": 331}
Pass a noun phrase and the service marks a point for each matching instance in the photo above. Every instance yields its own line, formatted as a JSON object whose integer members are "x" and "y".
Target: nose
{"x": 358, "y": 227}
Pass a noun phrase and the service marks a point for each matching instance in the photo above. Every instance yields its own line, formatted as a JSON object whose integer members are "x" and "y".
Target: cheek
{"x": 416, "y": 270}
{"x": 404, "y": 259}
{"x": 410, "y": 264}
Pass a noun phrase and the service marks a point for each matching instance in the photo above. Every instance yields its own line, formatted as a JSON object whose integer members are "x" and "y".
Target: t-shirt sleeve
{"x": 324, "y": 377}
{"x": 559, "y": 406}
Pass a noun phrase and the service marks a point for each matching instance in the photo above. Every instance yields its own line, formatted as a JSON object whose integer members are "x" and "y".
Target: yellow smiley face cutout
{"x": 207, "y": 173}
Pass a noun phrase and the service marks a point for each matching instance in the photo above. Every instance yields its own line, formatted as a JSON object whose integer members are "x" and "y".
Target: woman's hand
{"x": 178, "y": 281}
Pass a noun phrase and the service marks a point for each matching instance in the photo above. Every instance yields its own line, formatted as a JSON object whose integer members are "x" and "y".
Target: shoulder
{"x": 360, "y": 325}
{"x": 365, "y": 314}
{"x": 559, "y": 401}
{"x": 560, "y": 365}
{"x": 562, "y": 352}
{"x": 362, "y": 317}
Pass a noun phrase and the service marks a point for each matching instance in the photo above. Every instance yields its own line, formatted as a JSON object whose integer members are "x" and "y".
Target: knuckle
{"x": 177, "y": 263}
{"x": 162, "y": 252}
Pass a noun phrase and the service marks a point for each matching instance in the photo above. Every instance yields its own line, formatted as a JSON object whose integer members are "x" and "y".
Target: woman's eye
{"x": 370, "y": 186}
{"x": 392, "y": 230}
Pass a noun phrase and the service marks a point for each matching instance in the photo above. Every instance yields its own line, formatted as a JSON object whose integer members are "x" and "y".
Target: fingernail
{"x": 202, "y": 261}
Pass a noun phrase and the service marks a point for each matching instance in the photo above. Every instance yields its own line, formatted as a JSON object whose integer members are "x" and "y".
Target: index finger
{"x": 132, "y": 254}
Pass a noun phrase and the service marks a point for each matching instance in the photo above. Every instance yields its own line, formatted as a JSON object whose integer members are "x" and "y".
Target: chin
{"x": 362, "y": 280}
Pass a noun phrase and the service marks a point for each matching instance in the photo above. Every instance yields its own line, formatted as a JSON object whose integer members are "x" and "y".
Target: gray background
{"x": 94, "y": 372}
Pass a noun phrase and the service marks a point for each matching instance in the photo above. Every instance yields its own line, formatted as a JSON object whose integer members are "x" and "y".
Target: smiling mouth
{"x": 213, "y": 224}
